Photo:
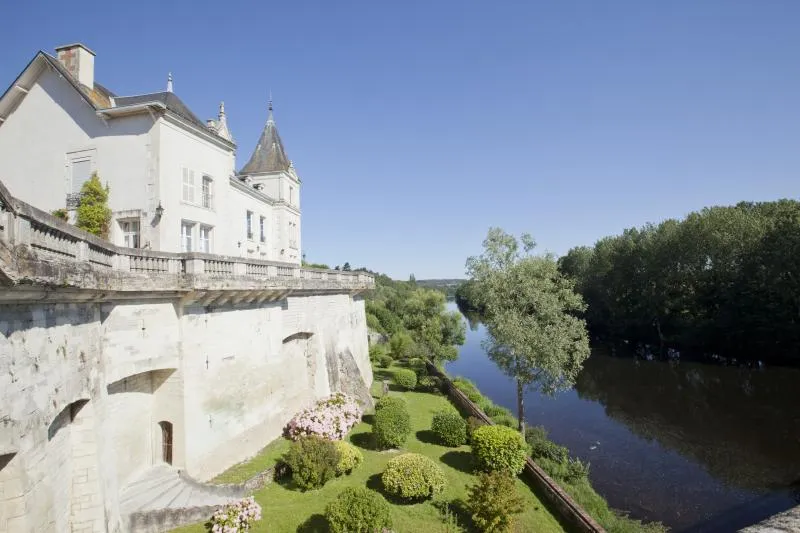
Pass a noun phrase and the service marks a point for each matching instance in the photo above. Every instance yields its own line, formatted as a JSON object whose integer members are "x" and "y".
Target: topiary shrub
{"x": 499, "y": 448}
{"x": 429, "y": 384}
{"x": 493, "y": 501}
{"x": 358, "y": 510}
{"x": 313, "y": 461}
{"x": 392, "y": 426}
{"x": 418, "y": 365}
{"x": 473, "y": 423}
{"x": 350, "y": 457}
{"x": 413, "y": 476}
{"x": 395, "y": 401}
{"x": 405, "y": 378}
{"x": 509, "y": 421}
{"x": 384, "y": 361}
{"x": 449, "y": 427}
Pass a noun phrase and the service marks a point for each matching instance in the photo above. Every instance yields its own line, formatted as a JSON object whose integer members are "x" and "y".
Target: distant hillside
{"x": 447, "y": 286}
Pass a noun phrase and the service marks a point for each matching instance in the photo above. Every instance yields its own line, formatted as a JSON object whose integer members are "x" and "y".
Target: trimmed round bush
{"x": 313, "y": 461}
{"x": 392, "y": 426}
{"x": 405, "y": 378}
{"x": 499, "y": 448}
{"x": 413, "y": 476}
{"x": 449, "y": 427}
{"x": 384, "y": 360}
{"x": 349, "y": 457}
{"x": 386, "y": 401}
{"x": 358, "y": 510}
{"x": 429, "y": 384}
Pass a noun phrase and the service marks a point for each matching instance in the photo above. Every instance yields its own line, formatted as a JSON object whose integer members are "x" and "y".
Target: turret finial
{"x": 169, "y": 82}
{"x": 269, "y": 107}
{"x": 221, "y": 110}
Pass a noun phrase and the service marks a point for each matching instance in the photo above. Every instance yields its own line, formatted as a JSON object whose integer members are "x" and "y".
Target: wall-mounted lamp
{"x": 159, "y": 210}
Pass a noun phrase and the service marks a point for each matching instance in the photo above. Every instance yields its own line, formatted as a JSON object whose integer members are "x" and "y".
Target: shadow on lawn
{"x": 368, "y": 419}
{"x": 455, "y": 510}
{"x": 428, "y": 437}
{"x": 363, "y": 440}
{"x": 460, "y": 460}
{"x": 316, "y": 523}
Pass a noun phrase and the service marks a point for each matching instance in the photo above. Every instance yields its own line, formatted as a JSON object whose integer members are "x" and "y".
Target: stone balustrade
{"x": 38, "y": 248}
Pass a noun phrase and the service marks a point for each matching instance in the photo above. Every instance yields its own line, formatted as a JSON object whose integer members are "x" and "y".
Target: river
{"x": 699, "y": 447}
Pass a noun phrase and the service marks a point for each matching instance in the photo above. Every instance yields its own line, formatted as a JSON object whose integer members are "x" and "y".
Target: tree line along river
{"x": 699, "y": 447}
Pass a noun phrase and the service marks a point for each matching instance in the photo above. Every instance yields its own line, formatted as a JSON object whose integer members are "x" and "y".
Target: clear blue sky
{"x": 417, "y": 125}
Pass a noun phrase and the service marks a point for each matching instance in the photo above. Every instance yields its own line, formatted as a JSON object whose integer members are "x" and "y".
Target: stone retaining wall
{"x": 569, "y": 512}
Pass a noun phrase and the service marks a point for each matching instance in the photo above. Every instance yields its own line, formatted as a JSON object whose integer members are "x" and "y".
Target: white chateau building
{"x": 133, "y": 371}
{"x": 172, "y": 177}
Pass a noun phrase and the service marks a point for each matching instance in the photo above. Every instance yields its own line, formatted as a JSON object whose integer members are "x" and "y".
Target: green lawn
{"x": 288, "y": 510}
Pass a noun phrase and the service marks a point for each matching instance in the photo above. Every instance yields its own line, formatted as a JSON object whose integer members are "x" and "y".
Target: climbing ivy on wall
{"x": 94, "y": 215}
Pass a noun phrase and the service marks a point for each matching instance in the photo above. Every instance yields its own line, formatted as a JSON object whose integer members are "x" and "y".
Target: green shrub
{"x": 499, "y": 448}
{"x": 392, "y": 426}
{"x": 350, "y": 457}
{"x": 94, "y": 215}
{"x": 413, "y": 476}
{"x": 576, "y": 470}
{"x": 386, "y": 401}
{"x": 541, "y": 447}
{"x": 473, "y": 423}
{"x": 405, "y": 378}
{"x": 493, "y": 501}
{"x": 376, "y": 351}
{"x": 418, "y": 365}
{"x": 401, "y": 345}
{"x": 61, "y": 213}
{"x": 313, "y": 461}
{"x": 429, "y": 384}
{"x": 384, "y": 361}
{"x": 358, "y": 510}
{"x": 510, "y": 421}
{"x": 449, "y": 427}
{"x": 497, "y": 410}
{"x": 484, "y": 403}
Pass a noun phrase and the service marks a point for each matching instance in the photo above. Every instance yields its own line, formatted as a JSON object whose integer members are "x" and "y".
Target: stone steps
{"x": 161, "y": 487}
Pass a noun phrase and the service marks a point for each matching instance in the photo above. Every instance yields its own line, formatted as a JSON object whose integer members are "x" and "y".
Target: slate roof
{"x": 169, "y": 99}
{"x": 269, "y": 155}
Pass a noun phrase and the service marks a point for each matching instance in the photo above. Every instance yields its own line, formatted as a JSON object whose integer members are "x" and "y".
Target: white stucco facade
{"x": 172, "y": 179}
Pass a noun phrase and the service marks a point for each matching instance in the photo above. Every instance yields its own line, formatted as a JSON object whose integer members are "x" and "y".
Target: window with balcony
{"x": 208, "y": 192}
{"x": 130, "y": 233}
{"x": 249, "y": 225}
{"x": 205, "y": 239}
{"x": 187, "y": 229}
{"x": 188, "y": 185}
{"x": 262, "y": 228}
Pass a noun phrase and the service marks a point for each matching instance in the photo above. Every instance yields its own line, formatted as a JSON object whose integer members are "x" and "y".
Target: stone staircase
{"x": 163, "y": 498}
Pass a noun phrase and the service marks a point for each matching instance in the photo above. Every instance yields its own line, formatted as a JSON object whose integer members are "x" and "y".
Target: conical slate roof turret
{"x": 269, "y": 155}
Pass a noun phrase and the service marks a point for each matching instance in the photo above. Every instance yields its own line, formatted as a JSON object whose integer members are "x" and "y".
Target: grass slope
{"x": 286, "y": 509}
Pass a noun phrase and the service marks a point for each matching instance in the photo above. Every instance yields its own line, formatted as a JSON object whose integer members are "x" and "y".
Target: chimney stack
{"x": 79, "y": 61}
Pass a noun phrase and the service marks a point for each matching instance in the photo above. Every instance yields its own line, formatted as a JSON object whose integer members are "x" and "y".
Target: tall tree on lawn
{"x": 532, "y": 315}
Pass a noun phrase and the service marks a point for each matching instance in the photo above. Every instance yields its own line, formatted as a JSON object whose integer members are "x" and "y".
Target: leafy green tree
{"x": 401, "y": 344}
{"x": 412, "y": 279}
{"x": 346, "y": 267}
{"x": 94, "y": 215}
{"x": 530, "y": 310}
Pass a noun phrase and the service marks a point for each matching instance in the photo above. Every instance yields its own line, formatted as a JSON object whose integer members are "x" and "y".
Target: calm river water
{"x": 699, "y": 447}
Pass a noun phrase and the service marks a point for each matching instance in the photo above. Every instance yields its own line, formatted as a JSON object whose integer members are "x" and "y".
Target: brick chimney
{"x": 79, "y": 61}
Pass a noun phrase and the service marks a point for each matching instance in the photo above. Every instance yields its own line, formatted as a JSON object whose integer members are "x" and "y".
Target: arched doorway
{"x": 166, "y": 441}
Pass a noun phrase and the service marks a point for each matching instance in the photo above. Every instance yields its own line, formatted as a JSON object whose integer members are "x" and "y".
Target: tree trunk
{"x": 520, "y": 408}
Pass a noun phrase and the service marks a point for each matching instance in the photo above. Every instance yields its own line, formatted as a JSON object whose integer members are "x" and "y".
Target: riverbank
{"x": 667, "y": 441}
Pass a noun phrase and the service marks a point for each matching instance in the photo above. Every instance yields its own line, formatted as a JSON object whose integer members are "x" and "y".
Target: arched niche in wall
{"x": 300, "y": 335}
{"x": 300, "y": 345}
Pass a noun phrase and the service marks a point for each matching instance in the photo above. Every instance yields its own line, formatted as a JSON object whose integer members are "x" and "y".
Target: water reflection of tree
{"x": 742, "y": 425}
